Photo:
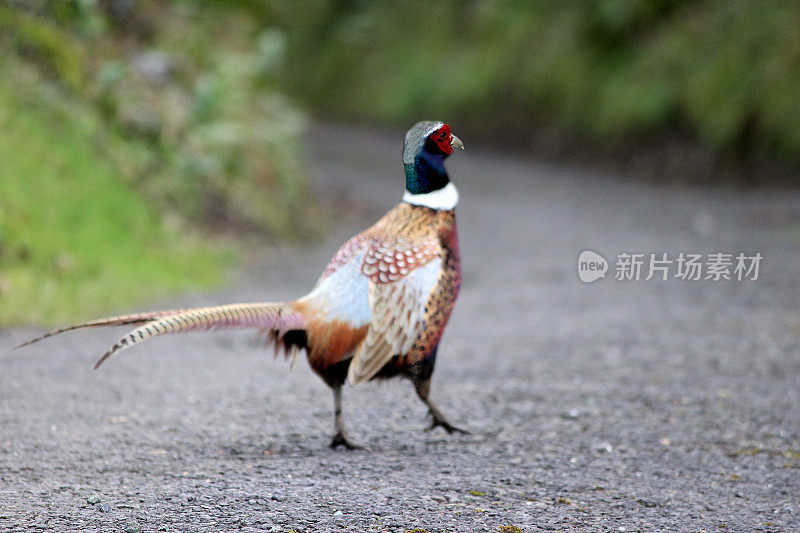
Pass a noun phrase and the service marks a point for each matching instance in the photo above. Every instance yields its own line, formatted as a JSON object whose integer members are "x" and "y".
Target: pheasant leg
{"x": 340, "y": 438}
{"x": 423, "y": 388}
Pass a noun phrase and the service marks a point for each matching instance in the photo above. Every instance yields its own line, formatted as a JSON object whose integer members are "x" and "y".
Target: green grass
{"x": 193, "y": 86}
{"x": 76, "y": 238}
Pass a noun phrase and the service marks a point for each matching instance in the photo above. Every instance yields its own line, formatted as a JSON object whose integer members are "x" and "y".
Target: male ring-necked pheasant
{"x": 381, "y": 305}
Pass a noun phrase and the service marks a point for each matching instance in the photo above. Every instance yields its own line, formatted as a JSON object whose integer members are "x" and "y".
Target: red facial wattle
{"x": 443, "y": 139}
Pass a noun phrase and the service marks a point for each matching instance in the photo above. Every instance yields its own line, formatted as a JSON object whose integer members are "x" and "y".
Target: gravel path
{"x": 611, "y": 406}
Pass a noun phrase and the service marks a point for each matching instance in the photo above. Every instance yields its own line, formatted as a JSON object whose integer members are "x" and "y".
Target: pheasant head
{"x": 427, "y": 145}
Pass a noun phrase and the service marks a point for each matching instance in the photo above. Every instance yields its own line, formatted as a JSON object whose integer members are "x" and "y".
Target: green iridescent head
{"x": 427, "y": 145}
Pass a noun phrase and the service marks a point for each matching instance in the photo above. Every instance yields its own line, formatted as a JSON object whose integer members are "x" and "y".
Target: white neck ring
{"x": 443, "y": 199}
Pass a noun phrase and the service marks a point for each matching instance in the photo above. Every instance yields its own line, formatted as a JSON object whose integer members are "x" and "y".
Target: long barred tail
{"x": 268, "y": 317}
{"x": 122, "y": 320}
{"x": 273, "y": 320}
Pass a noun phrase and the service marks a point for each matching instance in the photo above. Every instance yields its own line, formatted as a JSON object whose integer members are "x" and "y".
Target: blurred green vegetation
{"x": 132, "y": 134}
{"x": 604, "y": 77}
{"x": 75, "y": 238}
{"x": 193, "y": 84}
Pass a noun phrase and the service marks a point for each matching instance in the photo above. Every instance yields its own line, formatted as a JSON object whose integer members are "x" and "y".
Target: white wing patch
{"x": 344, "y": 294}
{"x": 398, "y": 315}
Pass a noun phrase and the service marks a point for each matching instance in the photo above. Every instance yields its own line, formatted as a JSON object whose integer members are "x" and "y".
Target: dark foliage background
{"x": 710, "y": 91}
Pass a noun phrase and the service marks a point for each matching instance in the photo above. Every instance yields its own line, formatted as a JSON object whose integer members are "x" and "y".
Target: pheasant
{"x": 381, "y": 305}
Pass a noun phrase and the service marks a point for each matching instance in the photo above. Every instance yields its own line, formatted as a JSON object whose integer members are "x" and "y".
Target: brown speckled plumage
{"x": 419, "y": 360}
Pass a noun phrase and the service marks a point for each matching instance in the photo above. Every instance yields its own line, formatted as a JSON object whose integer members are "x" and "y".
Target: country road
{"x": 636, "y": 405}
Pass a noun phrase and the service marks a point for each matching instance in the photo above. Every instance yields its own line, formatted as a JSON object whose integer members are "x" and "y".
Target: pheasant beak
{"x": 455, "y": 142}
